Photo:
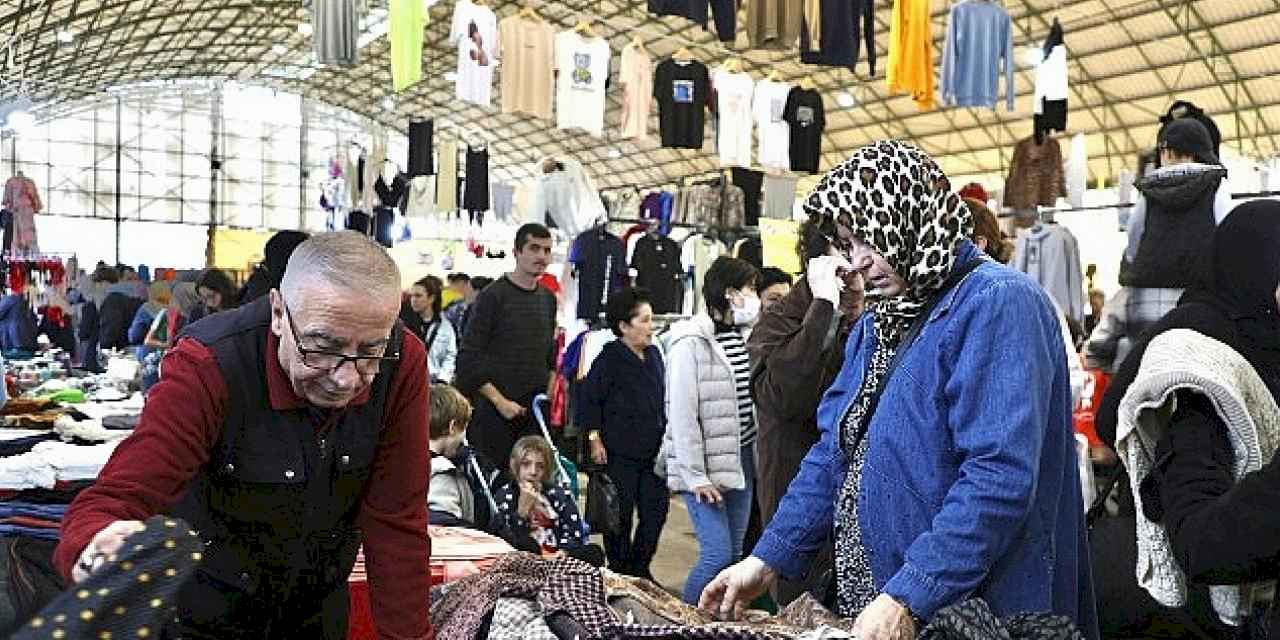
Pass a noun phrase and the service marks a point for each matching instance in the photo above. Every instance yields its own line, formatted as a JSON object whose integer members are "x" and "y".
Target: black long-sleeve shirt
{"x": 510, "y": 341}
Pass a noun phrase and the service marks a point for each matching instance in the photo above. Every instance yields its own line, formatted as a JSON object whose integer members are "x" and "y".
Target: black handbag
{"x": 604, "y": 511}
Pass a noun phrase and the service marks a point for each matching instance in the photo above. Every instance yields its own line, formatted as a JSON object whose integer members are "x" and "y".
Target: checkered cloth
{"x": 517, "y": 619}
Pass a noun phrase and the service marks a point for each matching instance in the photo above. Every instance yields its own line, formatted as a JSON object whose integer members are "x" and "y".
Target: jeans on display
{"x": 639, "y": 490}
{"x": 720, "y": 529}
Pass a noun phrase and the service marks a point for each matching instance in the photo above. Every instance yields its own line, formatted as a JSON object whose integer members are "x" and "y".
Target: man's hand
{"x": 509, "y": 410}
{"x": 736, "y": 587}
{"x": 105, "y": 543}
{"x": 708, "y": 493}
{"x": 599, "y": 454}
{"x": 885, "y": 619}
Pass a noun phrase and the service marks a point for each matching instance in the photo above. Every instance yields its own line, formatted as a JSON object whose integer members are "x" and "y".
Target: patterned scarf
{"x": 897, "y": 200}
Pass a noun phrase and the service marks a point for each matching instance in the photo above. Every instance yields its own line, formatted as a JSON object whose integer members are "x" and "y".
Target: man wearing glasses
{"x": 286, "y": 432}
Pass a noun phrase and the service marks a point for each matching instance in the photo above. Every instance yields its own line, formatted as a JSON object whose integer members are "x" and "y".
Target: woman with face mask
{"x": 945, "y": 470}
{"x": 708, "y": 451}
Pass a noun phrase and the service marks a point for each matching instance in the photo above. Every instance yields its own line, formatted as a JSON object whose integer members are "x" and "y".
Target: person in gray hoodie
{"x": 1171, "y": 231}
{"x": 708, "y": 454}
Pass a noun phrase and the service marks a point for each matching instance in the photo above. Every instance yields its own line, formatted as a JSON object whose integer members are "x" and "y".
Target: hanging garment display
{"x": 582, "y": 66}
{"x": 911, "y": 52}
{"x": 335, "y": 29}
{"x": 750, "y": 182}
{"x": 773, "y": 24}
{"x": 1050, "y": 254}
{"x": 420, "y": 201}
{"x": 447, "y": 180}
{"x": 421, "y": 148}
{"x": 768, "y": 106}
{"x": 474, "y": 33}
{"x": 681, "y": 89}
{"x": 658, "y": 269}
{"x": 805, "y": 115}
{"x": 600, "y": 261}
{"x": 724, "y": 12}
{"x": 475, "y": 197}
{"x": 696, "y": 255}
{"x": 836, "y": 39}
{"x": 1035, "y": 175}
{"x": 22, "y": 200}
{"x": 733, "y": 93}
{"x": 1051, "y": 84}
{"x": 1077, "y": 176}
{"x": 503, "y": 196}
{"x": 979, "y": 40}
{"x": 567, "y": 195}
{"x": 779, "y": 196}
{"x": 636, "y": 77}
{"x": 528, "y": 65}
{"x": 407, "y": 20}
{"x": 371, "y": 171}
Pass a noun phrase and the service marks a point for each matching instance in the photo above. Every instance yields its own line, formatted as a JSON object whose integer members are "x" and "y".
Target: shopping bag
{"x": 604, "y": 513}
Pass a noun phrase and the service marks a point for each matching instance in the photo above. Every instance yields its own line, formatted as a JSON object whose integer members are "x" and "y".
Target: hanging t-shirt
{"x": 528, "y": 64}
{"x": 475, "y": 34}
{"x": 636, "y": 76}
{"x": 804, "y": 113}
{"x": 733, "y": 104}
{"x": 775, "y": 134}
{"x": 407, "y": 21}
{"x": 582, "y": 65}
{"x": 681, "y": 90}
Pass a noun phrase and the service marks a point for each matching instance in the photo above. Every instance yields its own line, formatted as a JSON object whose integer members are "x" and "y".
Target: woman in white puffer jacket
{"x": 708, "y": 449}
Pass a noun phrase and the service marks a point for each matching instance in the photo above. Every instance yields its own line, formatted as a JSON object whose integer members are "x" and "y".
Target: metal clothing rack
{"x": 1122, "y": 205}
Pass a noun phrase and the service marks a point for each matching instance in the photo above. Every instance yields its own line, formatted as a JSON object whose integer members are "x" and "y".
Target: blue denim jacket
{"x": 970, "y": 486}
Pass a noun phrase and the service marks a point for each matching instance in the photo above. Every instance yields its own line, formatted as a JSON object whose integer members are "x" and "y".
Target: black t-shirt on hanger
{"x": 681, "y": 90}
{"x": 804, "y": 112}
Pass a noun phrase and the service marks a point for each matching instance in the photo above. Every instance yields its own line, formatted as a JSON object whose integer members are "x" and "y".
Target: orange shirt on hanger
{"x": 911, "y": 52}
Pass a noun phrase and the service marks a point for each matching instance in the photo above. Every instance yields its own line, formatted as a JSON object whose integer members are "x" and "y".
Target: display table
{"x": 455, "y": 553}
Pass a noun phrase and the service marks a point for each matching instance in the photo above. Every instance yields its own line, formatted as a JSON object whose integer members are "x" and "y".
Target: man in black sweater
{"x": 508, "y": 352}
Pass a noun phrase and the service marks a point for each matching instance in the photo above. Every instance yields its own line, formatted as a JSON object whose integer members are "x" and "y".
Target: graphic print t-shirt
{"x": 805, "y": 115}
{"x": 775, "y": 134}
{"x": 582, "y": 66}
{"x": 475, "y": 34}
{"x": 681, "y": 89}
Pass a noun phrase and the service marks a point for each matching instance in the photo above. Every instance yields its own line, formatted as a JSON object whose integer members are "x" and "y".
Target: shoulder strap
{"x": 957, "y": 276}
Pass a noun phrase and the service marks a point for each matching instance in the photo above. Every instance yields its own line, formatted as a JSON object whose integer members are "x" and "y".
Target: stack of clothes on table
{"x": 524, "y": 597}
{"x": 49, "y": 452}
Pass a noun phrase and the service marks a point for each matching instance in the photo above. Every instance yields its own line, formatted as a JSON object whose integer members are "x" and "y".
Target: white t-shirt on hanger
{"x": 775, "y": 134}
{"x": 733, "y": 101}
{"x": 474, "y": 33}
{"x": 582, "y": 66}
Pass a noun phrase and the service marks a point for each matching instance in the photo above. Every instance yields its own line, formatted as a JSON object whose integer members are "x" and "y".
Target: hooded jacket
{"x": 703, "y": 442}
{"x": 1173, "y": 224}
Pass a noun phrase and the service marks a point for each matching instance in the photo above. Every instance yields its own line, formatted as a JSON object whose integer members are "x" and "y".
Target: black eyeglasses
{"x": 330, "y": 362}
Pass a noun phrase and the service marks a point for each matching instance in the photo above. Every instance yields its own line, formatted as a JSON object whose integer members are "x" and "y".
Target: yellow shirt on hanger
{"x": 911, "y": 52}
{"x": 408, "y": 19}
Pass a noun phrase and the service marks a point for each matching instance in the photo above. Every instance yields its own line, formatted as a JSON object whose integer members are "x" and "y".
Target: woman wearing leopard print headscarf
{"x": 946, "y": 467}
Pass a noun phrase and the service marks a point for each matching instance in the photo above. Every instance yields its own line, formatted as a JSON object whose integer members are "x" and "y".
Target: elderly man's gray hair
{"x": 345, "y": 259}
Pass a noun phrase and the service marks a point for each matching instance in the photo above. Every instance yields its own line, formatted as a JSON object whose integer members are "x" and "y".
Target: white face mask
{"x": 747, "y": 314}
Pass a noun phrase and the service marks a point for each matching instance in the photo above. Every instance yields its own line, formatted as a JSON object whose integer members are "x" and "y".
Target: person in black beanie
{"x": 275, "y": 255}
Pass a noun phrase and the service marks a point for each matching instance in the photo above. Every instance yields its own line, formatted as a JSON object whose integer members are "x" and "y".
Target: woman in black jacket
{"x": 621, "y": 407}
{"x": 1222, "y": 531}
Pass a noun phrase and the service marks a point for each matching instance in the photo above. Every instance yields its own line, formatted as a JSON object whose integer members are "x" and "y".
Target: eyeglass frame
{"x": 343, "y": 358}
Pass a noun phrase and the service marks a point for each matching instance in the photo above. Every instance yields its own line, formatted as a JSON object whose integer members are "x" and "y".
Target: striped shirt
{"x": 736, "y": 349}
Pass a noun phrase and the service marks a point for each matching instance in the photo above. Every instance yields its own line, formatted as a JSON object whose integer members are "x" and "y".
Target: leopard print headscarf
{"x": 895, "y": 198}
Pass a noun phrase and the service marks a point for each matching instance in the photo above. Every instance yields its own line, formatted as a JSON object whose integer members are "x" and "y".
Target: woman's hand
{"x": 599, "y": 454}
{"x": 885, "y": 619}
{"x": 708, "y": 493}
{"x": 735, "y": 588}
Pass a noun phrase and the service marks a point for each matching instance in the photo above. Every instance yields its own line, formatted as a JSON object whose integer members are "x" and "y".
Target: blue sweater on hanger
{"x": 979, "y": 36}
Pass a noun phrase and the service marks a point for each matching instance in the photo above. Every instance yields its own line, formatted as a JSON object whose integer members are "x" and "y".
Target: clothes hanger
{"x": 583, "y": 28}
{"x": 638, "y": 43}
{"x": 529, "y": 12}
{"x": 806, "y": 83}
{"x": 683, "y": 54}
{"x": 732, "y": 65}
{"x": 774, "y": 76}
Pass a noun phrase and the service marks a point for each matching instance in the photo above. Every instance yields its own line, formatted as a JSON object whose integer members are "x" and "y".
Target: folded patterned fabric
{"x": 974, "y": 620}
{"x": 132, "y": 596}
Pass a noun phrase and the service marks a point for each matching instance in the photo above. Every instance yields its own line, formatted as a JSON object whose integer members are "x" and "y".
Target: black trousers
{"x": 640, "y": 490}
